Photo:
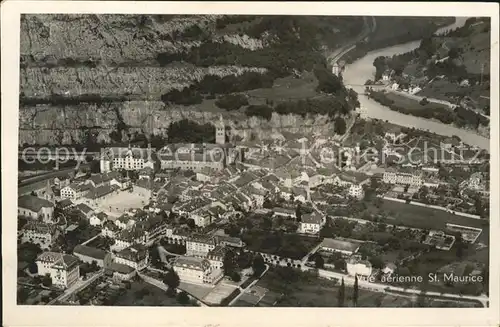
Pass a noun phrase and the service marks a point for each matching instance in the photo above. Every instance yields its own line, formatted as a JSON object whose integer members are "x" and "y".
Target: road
{"x": 76, "y": 287}
{"x": 338, "y": 53}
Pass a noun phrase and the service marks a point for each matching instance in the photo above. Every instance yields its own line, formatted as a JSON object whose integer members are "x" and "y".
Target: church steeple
{"x": 220, "y": 131}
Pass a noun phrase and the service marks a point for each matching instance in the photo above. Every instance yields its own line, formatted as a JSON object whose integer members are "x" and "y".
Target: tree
{"x": 47, "y": 280}
{"x": 355, "y": 292}
{"x": 33, "y": 193}
{"x": 229, "y": 262}
{"x": 424, "y": 102}
{"x": 319, "y": 262}
{"x": 235, "y": 276}
{"x": 182, "y": 298}
{"x": 258, "y": 265}
{"x": 171, "y": 279}
{"x": 340, "y": 126}
{"x": 33, "y": 268}
{"x": 341, "y": 294}
{"x": 298, "y": 213}
{"x": 191, "y": 223}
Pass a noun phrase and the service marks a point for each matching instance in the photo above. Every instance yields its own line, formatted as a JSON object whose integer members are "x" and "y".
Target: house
{"x": 90, "y": 254}
{"x": 130, "y": 158}
{"x": 310, "y": 223}
{"x": 98, "y": 180}
{"x": 216, "y": 257}
{"x": 341, "y": 246}
{"x": 85, "y": 210}
{"x": 284, "y": 212}
{"x": 389, "y": 269}
{"x": 75, "y": 191}
{"x": 63, "y": 181}
{"x": 65, "y": 204}
{"x": 199, "y": 245}
{"x": 120, "y": 272}
{"x": 135, "y": 256}
{"x": 225, "y": 240}
{"x": 449, "y": 143}
{"x": 392, "y": 176}
{"x": 109, "y": 229}
{"x": 196, "y": 270}
{"x": 63, "y": 269}
{"x": 358, "y": 266}
{"x": 356, "y": 191}
{"x": 40, "y": 233}
{"x": 98, "y": 219}
{"x": 386, "y": 75}
{"x": 35, "y": 207}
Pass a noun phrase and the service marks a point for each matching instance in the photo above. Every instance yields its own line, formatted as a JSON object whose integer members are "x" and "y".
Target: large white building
{"x": 392, "y": 176}
{"x": 356, "y": 191}
{"x": 127, "y": 158}
{"x": 356, "y": 266}
{"x": 63, "y": 269}
{"x": 196, "y": 270}
{"x": 341, "y": 246}
{"x": 199, "y": 245}
{"x": 35, "y": 208}
{"x": 40, "y": 233}
{"x": 135, "y": 256}
{"x": 310, "y": 223}
{"x": 75, "y": 191}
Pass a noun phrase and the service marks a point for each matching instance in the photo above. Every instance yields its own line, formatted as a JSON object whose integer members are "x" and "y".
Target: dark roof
{"x": 33, "y": 203}
{"x": 66, "y": 203}
{"x": 90, "y": 252}
{"x": 119, "y": 268}
{"x": 84, "y": 208}
{"x": 134, "y": 253}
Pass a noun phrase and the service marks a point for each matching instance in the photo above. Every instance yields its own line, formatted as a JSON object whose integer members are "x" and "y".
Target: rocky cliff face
{"x": 67, "y": 125}
{"x": 115, "y": 55}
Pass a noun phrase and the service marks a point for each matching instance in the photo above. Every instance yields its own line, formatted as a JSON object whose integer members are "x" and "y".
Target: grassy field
{"x": 316, "y": 292}
{"x": 144, "y": 294}
{"x": 422, "y": 217}
{"x": 287, "y": 88}
{"x": 412, "y": 104}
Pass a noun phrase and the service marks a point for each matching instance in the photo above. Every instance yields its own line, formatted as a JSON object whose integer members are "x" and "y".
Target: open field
{"x": 316, "y": 292}
{"x": 219, "y": 292}
{"x": 288, "y": 88}
{"x": 144, "y": 294}
{"x": 197, "y": 290}
{"x": 412, "y": 104}
{"x": 122, "y": 202}
{"x": 423, "y": 217}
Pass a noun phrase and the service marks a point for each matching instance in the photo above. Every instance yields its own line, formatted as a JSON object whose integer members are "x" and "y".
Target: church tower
{"x": 49, "y": 194}
{"x": 220, "y": 131}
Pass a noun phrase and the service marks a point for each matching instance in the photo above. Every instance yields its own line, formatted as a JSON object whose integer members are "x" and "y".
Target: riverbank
{"x": 388, "y": 32}
{"x": 356, "y": 74}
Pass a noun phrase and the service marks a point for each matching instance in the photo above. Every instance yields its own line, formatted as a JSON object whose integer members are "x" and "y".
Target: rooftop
{"x": 192, "y": 263}
{"x": 33, "y": 203}
{"x": 90, "y": 252}
{"x": 339, "y": 245}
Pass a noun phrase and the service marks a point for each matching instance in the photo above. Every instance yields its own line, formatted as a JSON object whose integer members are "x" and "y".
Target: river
{"x": 361, "y": 70}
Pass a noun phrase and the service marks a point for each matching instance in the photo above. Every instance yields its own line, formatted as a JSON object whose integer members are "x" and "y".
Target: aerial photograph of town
{"x": 253, "y": 161}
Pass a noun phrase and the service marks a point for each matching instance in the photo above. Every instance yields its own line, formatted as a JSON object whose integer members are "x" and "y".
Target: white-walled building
{"x": 75, "y": 191}
{"x": 40, "y": 233}
{"x": 341, "y": 246}
{"x": 63, "y": 269}
{"x": 199, "y": 245}
{"x": 135, "y": 256}
{"x": 127, "y": 158}
{"x": 35, "y": 208}
{"x": 196, "y": 270}
{"x": 310, "y": 223}
{"x": 90, "y": 254}
{"x": 357, "y": 266}
{"x": 356, "y": 191}
{"x": 392, "y": 176}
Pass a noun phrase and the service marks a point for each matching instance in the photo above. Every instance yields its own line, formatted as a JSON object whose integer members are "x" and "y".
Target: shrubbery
{"x": 231, "y": 102}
